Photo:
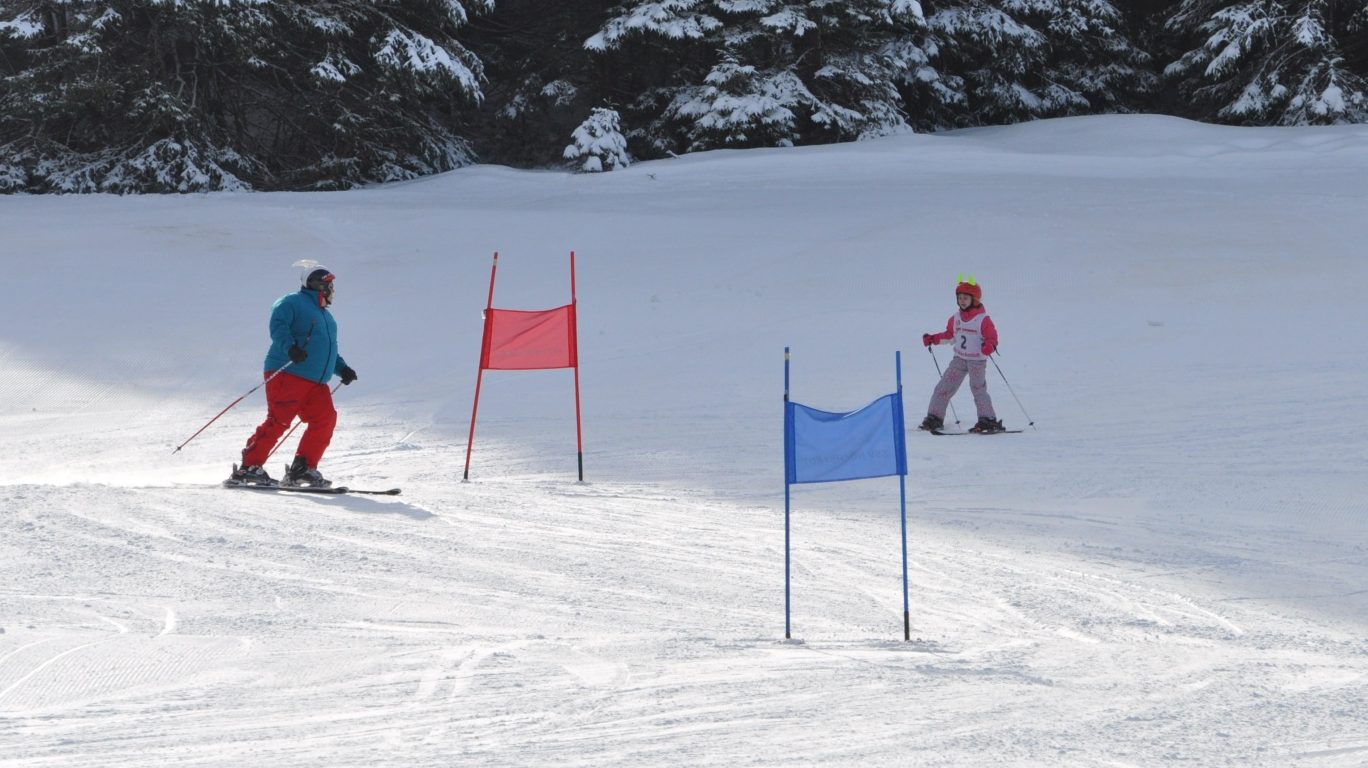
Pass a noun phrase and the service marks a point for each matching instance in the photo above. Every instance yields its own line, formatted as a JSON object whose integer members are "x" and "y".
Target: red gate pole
{"x": 484, "y": 356}
{"x": 574, "y": 313}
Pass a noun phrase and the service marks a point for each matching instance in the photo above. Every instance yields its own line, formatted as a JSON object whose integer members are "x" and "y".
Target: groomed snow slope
{"x": 1169, "y": 570}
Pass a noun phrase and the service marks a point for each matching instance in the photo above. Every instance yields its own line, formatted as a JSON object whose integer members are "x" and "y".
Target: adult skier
{"x": 304, "y": 349}
{"x": 975, "y": 338}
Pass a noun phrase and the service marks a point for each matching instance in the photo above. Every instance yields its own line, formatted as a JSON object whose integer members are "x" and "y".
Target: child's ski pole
{"x": 938, "y": 377}
{"x": 1029, "y": 420}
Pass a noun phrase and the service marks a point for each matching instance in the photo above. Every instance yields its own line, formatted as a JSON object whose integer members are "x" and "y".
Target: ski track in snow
{"x": 447, "y": 628}
{"x": 1169, "y": 571}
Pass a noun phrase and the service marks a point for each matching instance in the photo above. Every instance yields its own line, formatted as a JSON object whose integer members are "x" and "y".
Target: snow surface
{"x": 1169, "y": 570}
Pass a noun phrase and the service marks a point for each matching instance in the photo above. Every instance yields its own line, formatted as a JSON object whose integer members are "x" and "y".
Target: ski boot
{"x": 300, "y": 475}
{"x": 932, "y": 423}
{"x": 245, "y": 475}
{"x": 987, "y": 426}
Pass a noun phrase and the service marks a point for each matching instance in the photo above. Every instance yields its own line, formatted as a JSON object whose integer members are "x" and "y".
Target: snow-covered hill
{"x": 1169, "y": 570}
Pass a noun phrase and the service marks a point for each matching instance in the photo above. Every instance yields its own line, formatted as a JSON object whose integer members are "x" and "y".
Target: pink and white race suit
{"x": 975, "y": 338}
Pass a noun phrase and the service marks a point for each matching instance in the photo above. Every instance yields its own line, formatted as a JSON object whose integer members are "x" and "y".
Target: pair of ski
{"x": 943, "y": 433}
{"x": 332, "y": 491}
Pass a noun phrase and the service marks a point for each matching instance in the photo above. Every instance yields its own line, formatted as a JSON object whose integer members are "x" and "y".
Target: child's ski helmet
{"x": 970, "y": 287}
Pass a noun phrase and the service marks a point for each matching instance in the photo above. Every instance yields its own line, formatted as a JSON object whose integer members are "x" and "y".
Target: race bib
{"x": 968, "y": 339}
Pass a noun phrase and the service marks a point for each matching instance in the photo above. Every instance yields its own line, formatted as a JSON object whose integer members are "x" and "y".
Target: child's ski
{"x": 939, "y": 433}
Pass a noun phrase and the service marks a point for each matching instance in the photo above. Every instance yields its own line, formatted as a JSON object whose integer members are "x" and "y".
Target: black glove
{"x": 297, "y": 354}
{"x": 347, "y": 374}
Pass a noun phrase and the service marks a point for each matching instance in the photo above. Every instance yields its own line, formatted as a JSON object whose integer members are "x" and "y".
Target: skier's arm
{"x": 946, "y": 336}
{"x": 282, "y": 319}
{"x": 990, "y": 337}
{"x": 345, "y": 371}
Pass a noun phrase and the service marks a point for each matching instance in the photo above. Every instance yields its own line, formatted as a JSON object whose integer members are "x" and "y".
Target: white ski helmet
{"x": 316, "y": 277}
{"x": 315, "y": 274}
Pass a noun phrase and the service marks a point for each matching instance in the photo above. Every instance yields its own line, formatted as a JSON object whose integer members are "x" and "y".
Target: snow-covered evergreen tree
{"x": 151, "y": 95}
{"x": 1011, "y": 60}
{"x": 738, "y": 73}
{"x": 738, "y": 106}
{"x": 1260, "y": 62}
{"x": 541, "y": 80}
{"x": 598, "y": 144}
{"x": 177, "y": 95}
{"x": 1093, "y": 54}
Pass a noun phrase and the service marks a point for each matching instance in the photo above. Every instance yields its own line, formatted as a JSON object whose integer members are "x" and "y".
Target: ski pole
{"x": 292, "y": 429}
{"x": 276, "y": 373}
{"x": 940, "y": 375}
{"x": 1030, "y": 421}
{"x": 307, "y": 337}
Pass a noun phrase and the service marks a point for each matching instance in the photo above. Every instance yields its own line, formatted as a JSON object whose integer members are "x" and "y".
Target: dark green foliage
{"x": 1265, "y": 62}
{"x": 542, "y": 81}
{"x": 157, "y": 96}
{"x": 745, "y": 73}
{"x": 1013, "y": 60}
{"x": 134, "y": 95}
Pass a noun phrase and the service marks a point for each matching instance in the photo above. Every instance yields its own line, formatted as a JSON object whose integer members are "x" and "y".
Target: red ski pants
{"x": 287, "y": 397}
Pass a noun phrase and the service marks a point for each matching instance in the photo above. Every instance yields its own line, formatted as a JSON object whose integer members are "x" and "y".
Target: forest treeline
{"x": 177, "y": 96}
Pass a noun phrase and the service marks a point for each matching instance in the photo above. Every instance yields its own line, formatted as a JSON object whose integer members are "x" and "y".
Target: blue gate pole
{"x": 787, "y": 627}
{"x": 902, "y": 499}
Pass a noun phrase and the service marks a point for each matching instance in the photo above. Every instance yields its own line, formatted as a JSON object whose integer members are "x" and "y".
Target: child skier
{"x": 975, "y": 338}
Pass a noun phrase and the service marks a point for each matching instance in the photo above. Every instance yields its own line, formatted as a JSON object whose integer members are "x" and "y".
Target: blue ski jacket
{"x": 297, "y": 318}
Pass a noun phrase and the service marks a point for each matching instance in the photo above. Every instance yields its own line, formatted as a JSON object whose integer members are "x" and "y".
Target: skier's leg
{"x": 948, "y": 386}
{"x": 978, "y": 384}
{"x": 321, "y": 417}
{"x": 282, "y": 403}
